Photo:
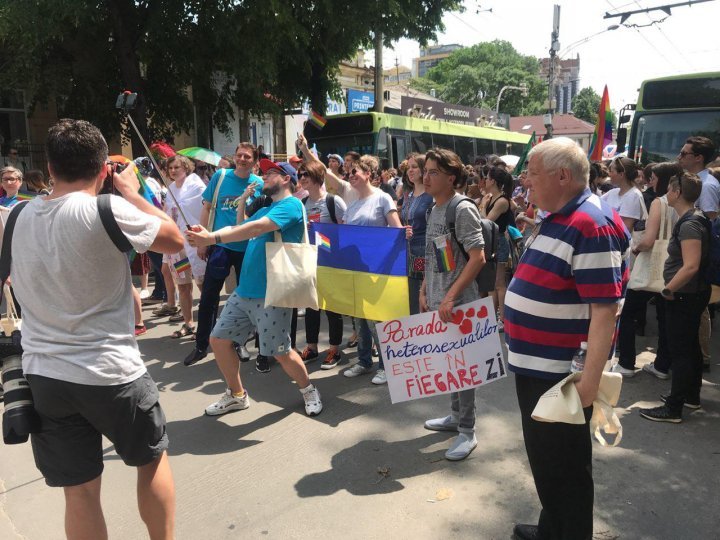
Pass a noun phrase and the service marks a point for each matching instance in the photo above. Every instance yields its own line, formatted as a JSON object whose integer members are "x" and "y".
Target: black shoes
{"x": 261, "y": 364}
{"x": 661, "y": 414}
{"x": 195, "y": 356}
{"x": 523, "y": 531}
{"x": 693, "y": 406}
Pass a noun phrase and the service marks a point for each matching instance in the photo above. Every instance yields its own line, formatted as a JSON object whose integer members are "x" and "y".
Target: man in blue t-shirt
{"x": 224, "y": 256}
{"x": 245, "y": 308}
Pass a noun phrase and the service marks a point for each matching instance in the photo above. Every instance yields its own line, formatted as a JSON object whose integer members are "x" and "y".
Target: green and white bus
{"x": 668, "y": 111}
{"x": 391, "y": 137}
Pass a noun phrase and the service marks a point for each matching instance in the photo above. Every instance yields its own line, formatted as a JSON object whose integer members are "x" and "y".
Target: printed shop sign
{"x": 426, "y": 357}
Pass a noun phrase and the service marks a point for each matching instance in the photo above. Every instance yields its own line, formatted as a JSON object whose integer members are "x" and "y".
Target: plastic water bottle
{"x": 578, "y": 360}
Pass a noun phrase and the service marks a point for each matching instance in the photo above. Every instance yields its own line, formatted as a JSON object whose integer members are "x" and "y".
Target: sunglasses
{"x": 683, "y": 154}
{"x": 356, "y": 170}
{"x": 303, "y": 173}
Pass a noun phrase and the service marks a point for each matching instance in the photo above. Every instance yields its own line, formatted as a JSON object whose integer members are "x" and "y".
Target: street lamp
{"x": 523, "y": 88}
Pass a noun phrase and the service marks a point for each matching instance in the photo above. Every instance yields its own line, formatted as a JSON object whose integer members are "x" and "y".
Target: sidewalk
{"x": 366, "y": 469}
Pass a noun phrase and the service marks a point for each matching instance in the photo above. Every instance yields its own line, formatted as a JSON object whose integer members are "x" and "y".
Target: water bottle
{"x": 578, "y": 360}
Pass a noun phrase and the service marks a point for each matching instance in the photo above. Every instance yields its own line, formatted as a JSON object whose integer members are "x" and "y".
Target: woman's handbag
{"x": 647, "y": 272}
{"x": 292, "y": 272}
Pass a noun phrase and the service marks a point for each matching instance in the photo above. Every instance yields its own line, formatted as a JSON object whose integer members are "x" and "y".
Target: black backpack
{"x": 330, "y": 201}
{"x": 491, "y": 233}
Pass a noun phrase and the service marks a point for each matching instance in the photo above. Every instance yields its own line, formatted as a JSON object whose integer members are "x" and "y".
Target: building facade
{"x": 431, "y": 56}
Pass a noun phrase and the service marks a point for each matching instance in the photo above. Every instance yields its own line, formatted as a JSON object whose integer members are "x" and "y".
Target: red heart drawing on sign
{"x": 466, "y": 326}
{"x": 482, "y": 313}
{"x": 470, "y": 312}
{"x": 457, "y": 316}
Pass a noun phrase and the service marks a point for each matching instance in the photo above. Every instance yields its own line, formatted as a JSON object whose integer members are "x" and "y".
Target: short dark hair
{"x": 688, "y": 184}
{"x": 450, "y": 163}
{"x": 76, "y": 150}
{"x": 664, "y": 172}
{"x": 354, "y": 156}
{"x": 702, "y": 146}
{"x": 315, "y": 170}
{"x": 249, "y": 146}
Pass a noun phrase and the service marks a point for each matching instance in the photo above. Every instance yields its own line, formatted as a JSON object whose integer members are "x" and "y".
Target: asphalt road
{"x": 366, "y": 469}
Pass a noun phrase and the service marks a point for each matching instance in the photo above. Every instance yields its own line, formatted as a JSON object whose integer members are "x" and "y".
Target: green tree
{"x": 475, "y": 75}
{"x": 585, "y": 105}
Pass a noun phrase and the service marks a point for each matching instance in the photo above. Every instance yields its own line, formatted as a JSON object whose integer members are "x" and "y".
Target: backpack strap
{"x": 450, "y": 215}
{"x": 330, "y": 201}
{"x": 305, "y": 199}
{"x": 6, "y": 254}
{"x": 111, "y": 226}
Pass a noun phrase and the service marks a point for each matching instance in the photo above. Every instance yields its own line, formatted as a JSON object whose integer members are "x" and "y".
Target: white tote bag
{"x": 11, "y": 321}
{"x": 647, "y": 272}
{"x": 291, "y": 272}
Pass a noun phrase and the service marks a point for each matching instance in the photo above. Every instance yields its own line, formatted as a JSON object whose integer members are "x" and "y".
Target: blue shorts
{"x": 240, "y": 315}
{"x": 503, "y": 250}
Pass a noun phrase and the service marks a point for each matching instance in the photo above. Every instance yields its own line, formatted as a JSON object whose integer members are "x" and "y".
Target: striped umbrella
{"x": 201, "y": 154}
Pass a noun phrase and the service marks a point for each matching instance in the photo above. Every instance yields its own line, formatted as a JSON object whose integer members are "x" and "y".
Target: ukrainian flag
{"x": 362, "y": 271}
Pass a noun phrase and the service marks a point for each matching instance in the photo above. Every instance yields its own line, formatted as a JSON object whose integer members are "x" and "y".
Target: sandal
{"x": 352, "y": 344}
{"x": 178, "y": 317}
{"x": 308, "y": 355}
{"x": 185, "y": 330}
{"x": 165, "y": 310}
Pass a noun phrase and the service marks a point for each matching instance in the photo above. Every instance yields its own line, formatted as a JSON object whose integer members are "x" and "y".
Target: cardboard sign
{"x": 426, "y": 357}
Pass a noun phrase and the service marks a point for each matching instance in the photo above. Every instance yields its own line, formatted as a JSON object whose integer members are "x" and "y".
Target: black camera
{"x": 19, "y": 418}
{"x": 109, "y": 182}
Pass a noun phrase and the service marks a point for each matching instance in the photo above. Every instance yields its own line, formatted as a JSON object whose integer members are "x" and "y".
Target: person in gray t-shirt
{"x": 450, "y": 278}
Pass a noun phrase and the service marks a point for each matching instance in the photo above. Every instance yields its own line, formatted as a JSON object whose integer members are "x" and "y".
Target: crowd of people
{"x": 568, "y": 233}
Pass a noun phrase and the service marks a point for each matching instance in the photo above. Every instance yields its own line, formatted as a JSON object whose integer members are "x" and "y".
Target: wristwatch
{"x": 666, "y": 293}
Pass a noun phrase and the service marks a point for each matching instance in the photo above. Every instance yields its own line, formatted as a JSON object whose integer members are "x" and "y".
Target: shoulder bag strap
{"x": 330, "y": 200}
{"x": 213, "y": 205}
{"x": 451, "y": 215}
{"x": 6, "y": 254}
{"x": 110, "y": 224}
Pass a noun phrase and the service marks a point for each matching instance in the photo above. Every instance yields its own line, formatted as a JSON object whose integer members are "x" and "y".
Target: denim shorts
{"x": 68, "y": 450}
{"x": 240, "y": 315}
{"x": 503, "y": 250}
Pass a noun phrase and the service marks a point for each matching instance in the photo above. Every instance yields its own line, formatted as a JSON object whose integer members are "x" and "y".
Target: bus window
{"x": 400, "y": 149}
{"x": 382, "y": 149}
{"x": 464, "y": 148}
{"x": 443, "y": 141}
{"x": 660, "y": 136}
{"x": 421, "y": 142}
{"x": 483, "y": 147}
{"x": 362, "y": 144}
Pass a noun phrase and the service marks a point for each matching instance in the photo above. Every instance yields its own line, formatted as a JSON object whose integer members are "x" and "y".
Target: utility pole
{"x": 379, "y": 101}
{"x": 554, "y": 48}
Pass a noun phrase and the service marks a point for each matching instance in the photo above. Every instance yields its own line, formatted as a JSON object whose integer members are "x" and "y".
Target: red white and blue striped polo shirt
{"x": 578, "y": 258}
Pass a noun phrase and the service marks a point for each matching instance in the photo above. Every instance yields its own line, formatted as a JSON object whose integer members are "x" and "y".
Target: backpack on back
{"x": 491, "y": 233}
{"x": 712, "y": 266}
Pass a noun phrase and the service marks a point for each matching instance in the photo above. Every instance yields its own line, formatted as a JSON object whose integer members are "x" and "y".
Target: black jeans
{"x": 682, "y": 324}
{"x": 159, "y": 289}
{"x": 312, "y": 326}
{"x": 560, "y": 457}
{"x": 635, "y": 305}
{"x": 210, "y": 295}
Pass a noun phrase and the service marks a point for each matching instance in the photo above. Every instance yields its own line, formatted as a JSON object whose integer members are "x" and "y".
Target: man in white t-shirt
{"x": 80, "y": 355}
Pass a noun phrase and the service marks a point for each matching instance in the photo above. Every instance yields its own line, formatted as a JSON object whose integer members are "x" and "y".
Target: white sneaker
{"x": 313, "y": 403}
{"x": 461, "y": 447}
{"x": 228, "y": 403}
{"x": 356, "y": 370}
{"x": 144, "y": 293}
{"x": 650, "y": 368}
{"x": 380, "y": 377}
{"x": 447, "y": 423}
{"x": 243, "y": 353}
{"x": 626, "y": 373}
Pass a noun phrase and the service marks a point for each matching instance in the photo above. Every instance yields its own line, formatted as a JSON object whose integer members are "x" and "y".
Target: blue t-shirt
{"x": 287, "y": 214}
{"x": 226, "y": 212}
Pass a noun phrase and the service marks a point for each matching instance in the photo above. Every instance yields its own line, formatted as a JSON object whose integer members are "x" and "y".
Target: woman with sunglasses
{"x": 413, "y": 215}
{"x": 321, "y": 207}
{"x": 626, "y": 198}
{"x": 372, "y": 208}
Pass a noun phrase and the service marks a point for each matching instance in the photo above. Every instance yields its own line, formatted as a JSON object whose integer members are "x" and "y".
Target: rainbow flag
{"x": 24, "y": 196}
{"x": 182, "y": 265}
{"x": 317, "y": 120}
{"x": 322, "y": 241}
{"x": 445, "y": 258}
{"x": 146, "y": 192}
{"x": 362, "y": 271}
{"x": 603, "y": 129}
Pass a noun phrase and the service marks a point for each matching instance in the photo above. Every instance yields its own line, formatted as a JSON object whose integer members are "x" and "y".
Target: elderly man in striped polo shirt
{"x": 567, "y": 289}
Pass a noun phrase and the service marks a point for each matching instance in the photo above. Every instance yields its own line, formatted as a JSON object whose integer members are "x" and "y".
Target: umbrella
{"x": 117, "y": 158}
{"x": 510, "y": 160}
{"x": 201, "y": 154}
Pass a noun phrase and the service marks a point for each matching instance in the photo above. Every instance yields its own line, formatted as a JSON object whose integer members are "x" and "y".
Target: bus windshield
{"x": 660, "y": 136}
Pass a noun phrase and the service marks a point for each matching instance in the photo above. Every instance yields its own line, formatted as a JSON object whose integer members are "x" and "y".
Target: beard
{"x": 271, "y": 190}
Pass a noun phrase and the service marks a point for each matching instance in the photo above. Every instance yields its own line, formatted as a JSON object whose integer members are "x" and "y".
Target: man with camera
{"x": 80, "y": 355}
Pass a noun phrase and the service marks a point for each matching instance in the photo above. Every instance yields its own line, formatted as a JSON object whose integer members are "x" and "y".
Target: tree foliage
{"x": 585, "y": 105}
{"x": 191, "y": 61}
{"x": 475, "y": 75}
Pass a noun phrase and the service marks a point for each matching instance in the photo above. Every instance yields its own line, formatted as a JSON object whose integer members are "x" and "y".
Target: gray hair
{"x": 563, "y": 153}
{"x": 17, "y": 173}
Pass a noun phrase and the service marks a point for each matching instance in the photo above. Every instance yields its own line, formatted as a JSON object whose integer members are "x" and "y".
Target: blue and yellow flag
{"x": 362, "y": 271}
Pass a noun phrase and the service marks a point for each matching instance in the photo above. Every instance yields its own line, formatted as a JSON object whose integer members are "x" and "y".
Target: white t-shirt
{"x": 189, "y": 197}
{"x": 75, "y": 291}
{"x": 628, "y": 205}
{"x": 709, "y": 200}
{"x": 348, "y": 193}
{"x": 370, "y": 211}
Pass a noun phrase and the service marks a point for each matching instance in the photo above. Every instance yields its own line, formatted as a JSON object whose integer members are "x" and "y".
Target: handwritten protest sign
{"x": 425, "y": 357}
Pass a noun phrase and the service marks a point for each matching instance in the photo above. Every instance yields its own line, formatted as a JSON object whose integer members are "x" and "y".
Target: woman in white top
{"x": 626, "y": 198}
{"x": 180, "y": 269}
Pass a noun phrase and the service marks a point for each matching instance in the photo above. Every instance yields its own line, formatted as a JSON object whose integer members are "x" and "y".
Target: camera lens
{"x": 19, "y": 418}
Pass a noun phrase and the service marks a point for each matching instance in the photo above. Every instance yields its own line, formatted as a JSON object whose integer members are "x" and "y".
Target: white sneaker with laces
{"x": 228, "y": 403}
{"x": 626, "y": 373}
{"x": 650, "y": 368}
{"x": 356, "y": 370}
{"x": 313, "y": 403}
{"x": 144, "y": 293}
{"x": 380, "y": 377}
